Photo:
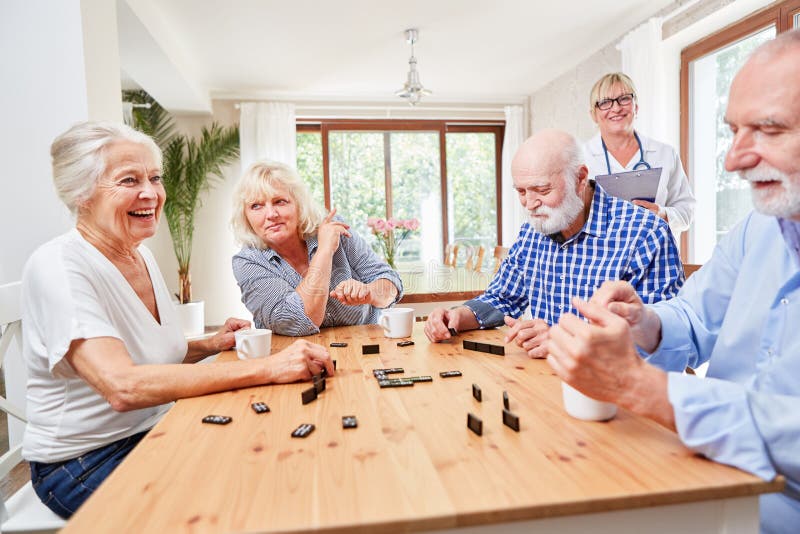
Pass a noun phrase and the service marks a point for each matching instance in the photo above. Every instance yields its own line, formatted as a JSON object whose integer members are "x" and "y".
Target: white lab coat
{"x": 674, "y": 194}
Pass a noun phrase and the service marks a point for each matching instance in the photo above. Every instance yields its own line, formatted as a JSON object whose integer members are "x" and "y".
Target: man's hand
{"x": 599, "y": 359}
{"x": 438, "y": 324}
{"x": 621, "y": 298}
{"x": 530, "y": 334}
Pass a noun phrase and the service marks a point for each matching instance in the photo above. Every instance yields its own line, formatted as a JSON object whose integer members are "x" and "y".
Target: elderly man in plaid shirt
{"x": 577, "y": 237}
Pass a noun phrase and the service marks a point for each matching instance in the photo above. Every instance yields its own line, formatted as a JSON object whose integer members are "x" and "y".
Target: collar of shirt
{"x": 791, "y": 234}
{"x": 311, "y": 245}
{"x": 596, "y": 223}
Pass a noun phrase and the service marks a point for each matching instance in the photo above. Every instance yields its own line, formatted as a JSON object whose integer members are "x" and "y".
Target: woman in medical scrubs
{"x": 618, "y": 148}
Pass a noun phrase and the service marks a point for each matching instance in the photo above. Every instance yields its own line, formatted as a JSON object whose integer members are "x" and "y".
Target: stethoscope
{"x": 641, "y": 155}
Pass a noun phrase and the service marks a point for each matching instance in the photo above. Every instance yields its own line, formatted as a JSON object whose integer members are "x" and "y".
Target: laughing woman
{"x": 300, "y": 270}
{"x": 101, "y": 340}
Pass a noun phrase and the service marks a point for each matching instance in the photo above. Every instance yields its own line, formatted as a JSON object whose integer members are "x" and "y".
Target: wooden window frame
{"x": 779, "y": 14}
{"x": 325, "y": 126}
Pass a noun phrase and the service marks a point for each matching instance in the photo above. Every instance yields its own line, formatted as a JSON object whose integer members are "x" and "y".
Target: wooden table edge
{"x": 416, "y": 298}
{"x": 555, "y": 510}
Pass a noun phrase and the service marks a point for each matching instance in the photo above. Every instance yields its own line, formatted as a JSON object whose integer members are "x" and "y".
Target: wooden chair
{"x": 690, "y": 268}
{"x": 478, "y": 257}
{"x": 500, "y": 254}
{"x": 451, "y": 254}
{"x": 23, "y": 511}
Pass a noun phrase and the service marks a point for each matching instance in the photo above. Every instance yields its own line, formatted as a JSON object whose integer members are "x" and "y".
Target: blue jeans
{"x": 64, "y": 486}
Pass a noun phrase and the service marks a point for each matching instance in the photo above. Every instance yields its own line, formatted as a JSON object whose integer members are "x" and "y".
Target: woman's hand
{"x": 352, "y": 292}
{"x": 329, "y": 232}
{"x": 299, "y": 361}
{"x": 224, "y": 338}
{"x": 655, "y": 208}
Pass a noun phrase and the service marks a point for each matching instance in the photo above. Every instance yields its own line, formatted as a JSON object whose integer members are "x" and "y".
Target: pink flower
{"x": 380, "y": 226}
{"x": 394, "y": 223}
{"x": 372, "y": 221}
{"x": 411, "y": 224}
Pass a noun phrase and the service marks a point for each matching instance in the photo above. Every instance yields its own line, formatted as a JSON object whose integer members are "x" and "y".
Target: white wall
{"x": 48, "y": 76}
{"x": 564, "y": 102}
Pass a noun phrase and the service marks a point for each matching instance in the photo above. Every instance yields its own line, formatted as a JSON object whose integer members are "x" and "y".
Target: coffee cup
{"x": 397, "y": 322}
{"x": 584, "y": 407}
{"x": 253, "y": 342}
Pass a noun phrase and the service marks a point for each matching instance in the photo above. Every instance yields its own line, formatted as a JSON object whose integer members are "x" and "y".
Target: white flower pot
{"x": 192, "y": 318}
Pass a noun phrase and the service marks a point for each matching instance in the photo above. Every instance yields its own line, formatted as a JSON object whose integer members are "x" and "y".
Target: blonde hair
{"x": 602, "y": 88}
{"x": 79, "y": 157}
{"x": 257, "y": 183}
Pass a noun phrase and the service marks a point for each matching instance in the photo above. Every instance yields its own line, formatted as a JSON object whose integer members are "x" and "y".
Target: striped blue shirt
{"x": 619, "y": 241}
{"x": 268, "y": 286}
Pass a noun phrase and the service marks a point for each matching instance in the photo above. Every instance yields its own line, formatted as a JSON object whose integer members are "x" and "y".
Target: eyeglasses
{"x": 608, "y": 103}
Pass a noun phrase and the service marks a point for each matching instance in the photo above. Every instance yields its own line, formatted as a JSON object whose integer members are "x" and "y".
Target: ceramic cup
{"x": 397, "y": 322}
{"x": 580, "y": 406}
{"x": 253, "y": 342}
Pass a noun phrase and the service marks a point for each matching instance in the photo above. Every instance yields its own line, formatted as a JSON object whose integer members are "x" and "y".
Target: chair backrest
{"x": 13, "y": 368}
{"x": 11, "y": 345}
{"x": 690, "y": 268}
{"x": 22, "y": 512}
{"x": 500, "y": 254}
{"x": 475, "y": 259}
{"x": 451, "y": 254}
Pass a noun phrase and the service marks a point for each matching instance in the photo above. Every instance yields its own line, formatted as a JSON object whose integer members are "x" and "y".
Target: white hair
{"x": 79, "y": 157}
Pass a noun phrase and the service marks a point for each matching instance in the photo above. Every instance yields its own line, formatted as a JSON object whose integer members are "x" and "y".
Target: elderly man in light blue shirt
{"x": 740, "y": 312}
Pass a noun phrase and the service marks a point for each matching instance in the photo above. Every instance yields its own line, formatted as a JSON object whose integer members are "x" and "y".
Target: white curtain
{"x": 267, "y": 131}
{"x": 643, "y": 61}
{"x": 513, "y": 213}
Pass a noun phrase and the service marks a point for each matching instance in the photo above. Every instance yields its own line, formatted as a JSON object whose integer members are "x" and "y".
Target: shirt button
{"x": 784, "y": 301}
{"x": 562, "y": 277}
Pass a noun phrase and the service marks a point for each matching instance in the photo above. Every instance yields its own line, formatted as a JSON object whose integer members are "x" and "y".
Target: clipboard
{"x": 631, "y": 185}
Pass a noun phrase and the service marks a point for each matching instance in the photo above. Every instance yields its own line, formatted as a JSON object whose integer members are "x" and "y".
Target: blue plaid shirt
{"x": 619, "y": 241}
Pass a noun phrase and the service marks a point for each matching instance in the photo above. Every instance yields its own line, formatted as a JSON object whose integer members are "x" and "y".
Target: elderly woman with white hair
{"x": 104, "y": 350}
{"x": 300, "y": 270}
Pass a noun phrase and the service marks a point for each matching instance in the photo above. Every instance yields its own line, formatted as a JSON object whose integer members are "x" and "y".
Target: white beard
{"x": 557, "y": 219}
{"x": 785, "y": 203}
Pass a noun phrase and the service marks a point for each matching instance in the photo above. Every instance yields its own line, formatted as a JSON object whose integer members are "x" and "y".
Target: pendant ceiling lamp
{"x": 413, "y": 90}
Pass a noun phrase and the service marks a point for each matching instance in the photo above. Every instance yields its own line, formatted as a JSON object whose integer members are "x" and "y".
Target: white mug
{"x": 583, "y": 407}
{"x": 397, "y": 322}
{"x": 253, "y": 342}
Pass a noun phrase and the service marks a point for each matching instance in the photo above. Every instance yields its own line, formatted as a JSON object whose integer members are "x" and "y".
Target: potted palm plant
{"x": 190, "y": 167}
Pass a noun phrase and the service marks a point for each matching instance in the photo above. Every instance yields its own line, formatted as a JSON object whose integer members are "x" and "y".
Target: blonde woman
{"x": 300, "y": 270}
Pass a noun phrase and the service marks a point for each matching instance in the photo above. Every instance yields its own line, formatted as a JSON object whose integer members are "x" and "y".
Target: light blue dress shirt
{"x": 741, "y": 312}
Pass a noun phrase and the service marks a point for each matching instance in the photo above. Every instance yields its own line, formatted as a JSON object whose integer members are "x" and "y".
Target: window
{"x": 707, "y": 70}
{"x": 445, "y": 174}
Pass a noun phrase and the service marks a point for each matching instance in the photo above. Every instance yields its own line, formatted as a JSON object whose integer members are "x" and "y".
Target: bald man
{"x": 577, "y": 237}
{"x": 740, "y": 312}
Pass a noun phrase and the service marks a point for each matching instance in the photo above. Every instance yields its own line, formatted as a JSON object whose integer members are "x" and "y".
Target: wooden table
{"x": 440, "y": 283}
{"x": 412, "y": 464}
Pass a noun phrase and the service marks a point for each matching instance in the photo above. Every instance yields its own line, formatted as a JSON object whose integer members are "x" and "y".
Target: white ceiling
{"x": 186, "y": 52}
